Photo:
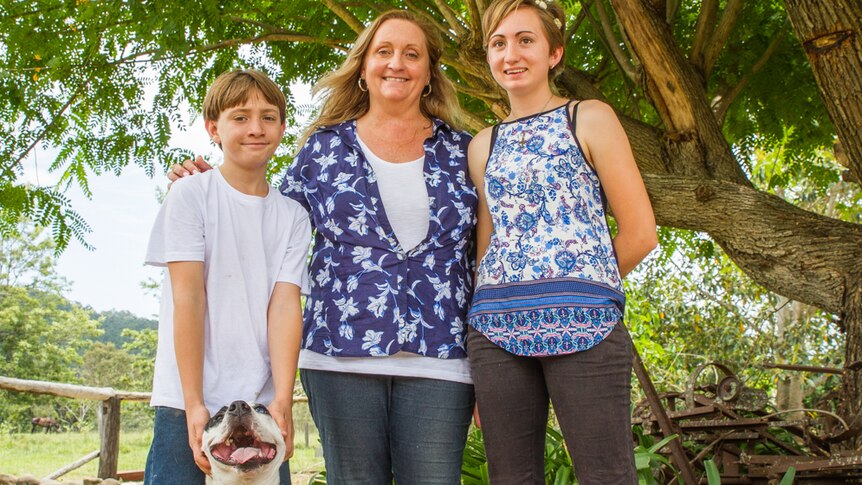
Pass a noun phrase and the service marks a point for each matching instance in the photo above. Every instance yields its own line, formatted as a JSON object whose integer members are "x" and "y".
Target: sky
{"x": 120, "y": 213}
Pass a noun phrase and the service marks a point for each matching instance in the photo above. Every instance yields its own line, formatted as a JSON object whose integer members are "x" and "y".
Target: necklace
{"x": 524, "y": 139}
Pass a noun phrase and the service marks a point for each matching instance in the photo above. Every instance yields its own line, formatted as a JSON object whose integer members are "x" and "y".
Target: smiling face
{"x": 396, "y": 67}
{"x": 248, "y": 133}
{"x": 519, "y": 54}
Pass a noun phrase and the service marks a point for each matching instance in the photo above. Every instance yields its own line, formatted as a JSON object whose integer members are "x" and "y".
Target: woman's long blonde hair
{"x": 345, "y": 101}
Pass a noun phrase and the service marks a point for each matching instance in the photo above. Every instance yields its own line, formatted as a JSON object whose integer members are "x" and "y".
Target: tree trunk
{"x": 831, "y": 35}
{"x": 803, "y": 256}
{"x": 852, "y": 383}
{"x": 789, "y": 389}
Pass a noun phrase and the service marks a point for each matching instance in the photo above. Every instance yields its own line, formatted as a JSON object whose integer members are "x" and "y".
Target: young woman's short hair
{"x": 550, "y": 13}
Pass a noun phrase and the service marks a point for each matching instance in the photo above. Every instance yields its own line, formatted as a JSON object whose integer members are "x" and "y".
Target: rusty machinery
{"x": 749, "y": 441}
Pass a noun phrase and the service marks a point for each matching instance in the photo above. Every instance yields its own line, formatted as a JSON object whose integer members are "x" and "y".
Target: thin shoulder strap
{"x": 573, "y": 123}
{"x": 494, "y": 131}
{"x": 574, "y": 120}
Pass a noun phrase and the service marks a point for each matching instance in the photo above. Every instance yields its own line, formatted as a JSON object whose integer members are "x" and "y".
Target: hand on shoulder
{"x": 188, "y": 167}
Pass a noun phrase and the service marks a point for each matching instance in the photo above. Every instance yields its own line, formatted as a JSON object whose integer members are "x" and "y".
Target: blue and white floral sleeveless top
{"x": 549, "y": 282}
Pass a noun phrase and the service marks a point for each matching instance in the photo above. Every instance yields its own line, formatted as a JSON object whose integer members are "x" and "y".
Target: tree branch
{"x": 678, "y": 93}
{"x": 724, "y": 103}
{"x": 464, "y": 66}
{"x": 582, "y": 15}
{"x": 451, "y": 17}
{"x": 719, "y": 38}
{"x": 614, "y": 46}
{"x": 8, "y": 172}
{"x": 421, "y": 12}
{"x": 271, "y": 37}
{"x": 798, "y": 254}
{"x": 473, "y": 122}
{"x": 348, "y": 18}
{"x": 578, "y": 84}
{"x": 703, "y": 32}
{"x": 672, "y": 8}
{"x": 477, "y": 92}
{"x": 473, "y": 8}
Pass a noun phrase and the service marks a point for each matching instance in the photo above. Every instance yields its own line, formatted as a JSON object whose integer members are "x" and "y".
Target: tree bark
{"x": 676, "y": 90}
{"x": 831, "y": 35}
{"x": 852, "y": 383}
{"x": 798, "y": 254}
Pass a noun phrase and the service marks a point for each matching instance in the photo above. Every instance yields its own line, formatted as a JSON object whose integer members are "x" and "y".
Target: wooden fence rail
{"x": 108, "y": 416}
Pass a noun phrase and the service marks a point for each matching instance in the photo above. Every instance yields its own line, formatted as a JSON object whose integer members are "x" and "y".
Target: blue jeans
{"x": 374, "y": 428}
{"x": 170, "y": 460}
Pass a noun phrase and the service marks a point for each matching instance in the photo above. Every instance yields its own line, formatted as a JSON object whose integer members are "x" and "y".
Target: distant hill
{"x": 115, "y": 321}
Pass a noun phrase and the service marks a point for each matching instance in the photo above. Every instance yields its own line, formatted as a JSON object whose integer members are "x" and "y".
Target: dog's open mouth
{"x": 244, "y": 449}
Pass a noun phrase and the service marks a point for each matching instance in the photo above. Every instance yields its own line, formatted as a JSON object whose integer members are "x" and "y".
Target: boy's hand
{"x": 188, "y": 167}
{"x": 196, "y": 420}
{"x": 282, "y": 412}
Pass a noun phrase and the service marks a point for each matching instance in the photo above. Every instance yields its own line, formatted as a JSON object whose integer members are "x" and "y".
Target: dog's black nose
{"x": 238, "y": 408}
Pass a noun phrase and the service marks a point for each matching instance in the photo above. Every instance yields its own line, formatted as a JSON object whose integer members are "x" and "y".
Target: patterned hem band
{"x": 550, "y": 293}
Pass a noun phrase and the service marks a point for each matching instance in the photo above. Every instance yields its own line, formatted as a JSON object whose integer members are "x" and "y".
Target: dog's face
{"x": 244, "y": 445}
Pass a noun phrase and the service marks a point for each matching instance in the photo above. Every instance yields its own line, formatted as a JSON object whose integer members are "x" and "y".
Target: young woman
{"x": 546, "y": 320}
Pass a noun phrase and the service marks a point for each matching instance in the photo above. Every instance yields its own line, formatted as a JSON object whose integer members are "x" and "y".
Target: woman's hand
{"x": 189, "y": 167}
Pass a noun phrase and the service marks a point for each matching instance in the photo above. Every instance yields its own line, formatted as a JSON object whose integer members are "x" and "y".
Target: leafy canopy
{"x": 107, "y": 82}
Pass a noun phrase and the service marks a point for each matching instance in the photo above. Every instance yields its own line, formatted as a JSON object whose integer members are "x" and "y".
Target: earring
{"x": 426, "y": 94}
{"x": 361, "y": 88}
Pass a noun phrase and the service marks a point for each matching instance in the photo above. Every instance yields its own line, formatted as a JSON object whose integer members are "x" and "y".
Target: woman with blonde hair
{"x": 383, "y": 174}
{"x": 546, "y": 318}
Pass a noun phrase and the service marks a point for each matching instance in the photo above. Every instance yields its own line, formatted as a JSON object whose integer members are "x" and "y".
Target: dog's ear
{"x": 260, "y": 409}
{"x": 217, "y": 419}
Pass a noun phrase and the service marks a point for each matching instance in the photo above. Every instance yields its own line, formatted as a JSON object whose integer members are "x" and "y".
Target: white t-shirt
{"x": 405, "y": 200}
{"x": 247, "y": 244}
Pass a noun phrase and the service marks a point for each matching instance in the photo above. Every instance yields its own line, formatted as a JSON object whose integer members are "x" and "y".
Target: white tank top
{"x": 404, "y": 196}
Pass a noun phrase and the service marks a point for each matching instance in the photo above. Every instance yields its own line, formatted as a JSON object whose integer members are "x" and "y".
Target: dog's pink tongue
{"x": 242, "y": 455}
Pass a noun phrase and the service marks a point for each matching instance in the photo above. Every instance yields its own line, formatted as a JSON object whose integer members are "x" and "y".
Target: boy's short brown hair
{"x": 234, "y": 88}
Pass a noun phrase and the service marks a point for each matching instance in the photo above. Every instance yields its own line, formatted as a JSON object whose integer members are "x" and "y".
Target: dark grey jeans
{"x": 591, "y": 395}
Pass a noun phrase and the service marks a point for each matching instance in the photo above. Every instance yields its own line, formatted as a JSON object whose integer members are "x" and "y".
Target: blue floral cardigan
{"x": 368, "y": 296}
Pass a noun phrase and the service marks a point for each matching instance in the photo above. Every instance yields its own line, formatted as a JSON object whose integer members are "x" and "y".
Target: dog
{"x": 244, "y": 445}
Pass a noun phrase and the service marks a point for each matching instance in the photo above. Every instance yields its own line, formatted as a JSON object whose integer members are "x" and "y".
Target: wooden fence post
{"x": 109, "y": 434}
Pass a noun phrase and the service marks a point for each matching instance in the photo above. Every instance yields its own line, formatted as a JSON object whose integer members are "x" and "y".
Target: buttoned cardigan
{"x": 368, "y": 296}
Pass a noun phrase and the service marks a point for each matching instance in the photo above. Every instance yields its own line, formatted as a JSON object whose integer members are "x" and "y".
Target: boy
{"x": 235, "y": 249}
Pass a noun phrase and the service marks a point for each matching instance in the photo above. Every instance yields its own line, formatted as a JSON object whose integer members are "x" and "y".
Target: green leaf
{"x": 712, "y": 475}
{"x": 788, "y": 477}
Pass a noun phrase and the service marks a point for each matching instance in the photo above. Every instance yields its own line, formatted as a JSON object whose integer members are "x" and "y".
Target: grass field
{"x": 40, "y": 454}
